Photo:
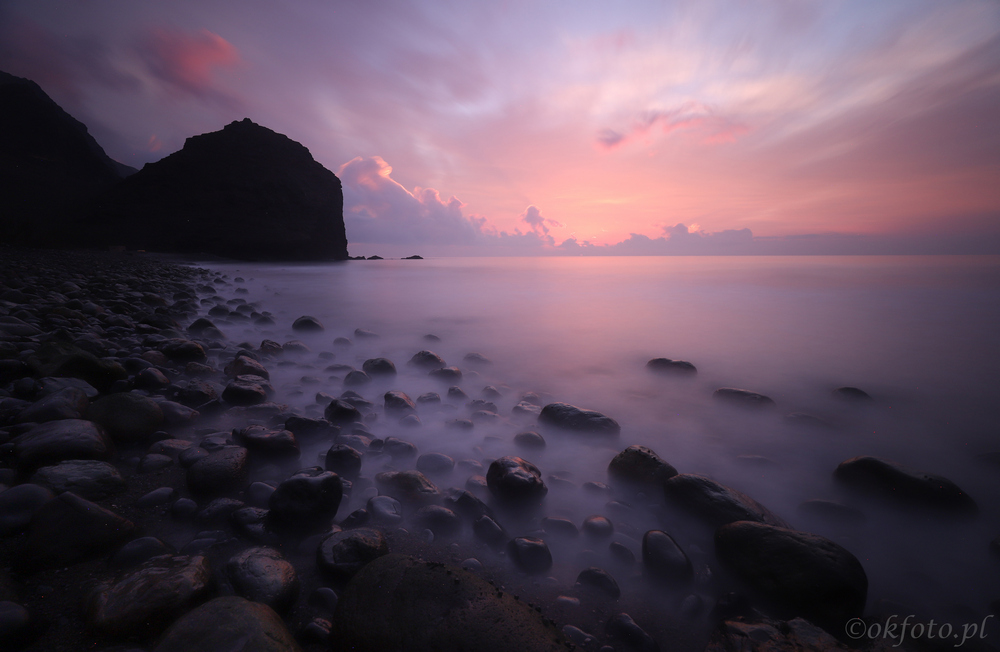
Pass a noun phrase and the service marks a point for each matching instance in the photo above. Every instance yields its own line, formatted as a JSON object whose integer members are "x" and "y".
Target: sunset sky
{"x": 590, "y": 126}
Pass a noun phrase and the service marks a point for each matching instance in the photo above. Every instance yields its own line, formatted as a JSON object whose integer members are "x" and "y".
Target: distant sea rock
{"x": 243, "y": 192}
{"x": 49, "y": 164}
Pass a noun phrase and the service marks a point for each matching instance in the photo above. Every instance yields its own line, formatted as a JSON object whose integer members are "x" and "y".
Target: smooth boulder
{"x": 229, "y": 623}
{"x": 896, "y": 483}
{"x": 640, "y": 467}
{"x": 715, "y": 503}
{"x": 515, "y": 480}
{"x": 569, "y": 417}
{"x": 66, "y": 439}
{"x": 264, "y": 575}
{"x": 90, "y": 479}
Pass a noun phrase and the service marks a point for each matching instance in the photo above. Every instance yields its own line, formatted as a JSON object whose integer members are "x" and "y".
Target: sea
{"x": 919, "y": 334}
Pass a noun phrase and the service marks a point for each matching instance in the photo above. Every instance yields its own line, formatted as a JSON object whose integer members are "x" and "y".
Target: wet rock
{"x": 560, "y": 527}
{"x": 743, "y": 398}
{"x": 440, "y": 520}
{"x": 264, "y": 575}
{"x": 896, "y": 483}
{"x": 144, "y": 600}
{"x": 343, "y": 554}
{"x": 627, "y": 634}
{"x": 379, "y": 367}
{"x": 640, "y": 468}
{"x": 530, "y": 440}
{"x": 598, "y": 527}
{"x": 852, "y": 394}
{"x": 180, "y": 350}
{"x": 246, "y": 390}
{"x": 344, "y": 461}
{"x": 268, "y": 444}
{"x": 138, "y": 551}
{"x": 67, "y": 403}
{"x": 244, "y": 366}
{"x": 515, "y": 480}
{"x": 530, "y": 554}
{"x": 385, "y": 509}
{"x": 310, "y": 429}
{"x": 94, "y": 530}
{"x": 429, "y": 398}
{"x": 307, "y": 498}
{"x": 219, "y": 623}
{"x": 195, "y": 393}
{"x": 217, "y": 512}
{"x": 55, "y": 441}
{"x": 714, "y": 503}
{"x": 477, "y": 359}
{"x": 340, "y": 412}
{"x": 157, "y": 497}
{"x": 398, "y": 449}
{"x": 154, "y": 462}
{"x": 365, "y": 334}
{"x": 466, "y": 504}
{"x": 427, "y": 360}
{"x": 435, "y": 463}
{"x": 307, "y": 324}
{"x": 88, "y": 479}
{"x": 151, "y": 379}
{"x": 525, "y": 409}
{"x": 570, "y": 417}
{"x": 219, "y": 472}
{"x": 668, "y": 366}
{"x": 397, "y": 602}
{"x": 772, "y": 636}
{"x": 101, "y": 374}
{"x": 398, "y": 404}
{"x": 456, "y": 393}
{"x": 488, "y": 531}
{"x": 172, "y": 448}
{"x": 447, "y": 374}
{"x": 408, "y": 486}
{"x": 797, "y": 573}
{"x": 832, "y": 512}
{"x": 664, "y": 560}
{"x": 600, "y": 581}
{"x": 459, "y": 424}
{"x": 621, "y": 553}
{"x": 356, "y": 378}
{"x": 19, "y": 504}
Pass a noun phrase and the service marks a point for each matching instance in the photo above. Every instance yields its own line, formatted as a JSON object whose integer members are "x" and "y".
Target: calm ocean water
{"x": 920, "y": 334}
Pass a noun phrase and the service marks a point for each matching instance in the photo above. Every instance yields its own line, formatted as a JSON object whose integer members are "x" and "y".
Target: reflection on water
{"x": 917, "y": 333}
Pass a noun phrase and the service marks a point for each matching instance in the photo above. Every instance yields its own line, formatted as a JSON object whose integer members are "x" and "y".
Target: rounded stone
{"x": 344, "y": 461}
{"x": 18, "y": 505}
{"x": 515, "y": 480}
{"x": 264, "y": 575}
{"x": 664, "y": 560}
{"x": 641, "y": 468}
{"x": 385, "y": 509}
{"x": 307, "y": 497}
{"x": 307, "y": 324}
{"x": 440, "y": 520}
{"x": 530, "y": 440}
{"x": 340, "y": 412}
{"x": 90, "y": 479}
{"x": 427, "y": 360}
{"x": 435, "y": 463}
{"x": 598, "y": 527}
{"x": 343, "y": 554}
{"x": 600, "y": 581}
{"x": 569, "y": 417}
{"x": 219, "y": 472}
{"x": 217, "y": 624}
{"x": 379, "y": 367}
{"x": 743, "y": 398}
{"x": 530, "y": 554}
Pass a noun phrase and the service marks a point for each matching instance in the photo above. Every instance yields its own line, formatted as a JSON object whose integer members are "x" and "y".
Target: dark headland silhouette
{"x": 244, "y": 192}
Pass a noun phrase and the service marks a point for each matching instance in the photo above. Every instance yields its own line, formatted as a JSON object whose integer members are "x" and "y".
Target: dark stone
{"x": 218, "y": 511}
{"x": 154, "y": 462}
{"x": 852, "y": 394}
{"x": 475, "y": 358}
{"x": 466, "y": 504}
{"x": 343, "y": 554}
{"x": 530, "y": 554}
{"x": 94, "y": 530}
{"x": 88, "y": 479}
{"x": 399, "y": 603}
{"x": 892, "y": 482}
{"x": 385, "y": 509}
{"x": 429, "y": 398}
{"x": 264, "y": 575}
{"x": 765, "y": 635}
{"x": 398, "y": 404}
{"x": 668, "y": 366}
{"x": 67, "y": 403}
{"x": 306, "y": 498}
{"x": 246, "y": 390}
{"x": 357, "y": 518}
{"x": 344, "y": 461}
{"x": 623, "y": 630}
{"x": 379, "y": 367}
{"x": 598, "y": 527}
{"x": 196, "y": 393}
{"x": 138, "y": 551}
{"x": 797, "y": 573}
{"x": 341, "y": 412}
{"x": 570, "y": 417}
{"x": 268, "y": 444}
{"x": 743, "y": 398}
{"x": 621, "y": 553}
{"x": 144, "y": 600}
{"x": 19, "y": 504}
{"x": 356, "y": 378}
{"x": 515, "y": 480}
{"x": 101, "y": 374}
{"x": 446, "y": 374}
{"x": 180, "y": 350}
{"x": 664, "y": 560}
{"x": 157, "y": 497}
{"x": 435, "y": 463}
{"x": 398, "y": 449}
{"x": 530, "y": 440}
{"x": 427, "y": 360}
{"x": 307, "y": 324}
{"x": 220, "y": 623}
{"x": 561, "y": 527}
{"x": 599, "y": 580}
{"x": 219, "y": 472}
{"x": 244, "y": 366}
{"x": 55, "y": 441}
{"x": 191, "y": 455}
{"x": 489, "y": 531}
{"x": 714, "y": 503}
{"x": 408, "y": 486}
{"x": 456, "y": 393}
{"x": 243, "y": 192}
{"x": 440, "y": 520}
{"x": 640, "y": 468}
{"x": 305, "y": 428}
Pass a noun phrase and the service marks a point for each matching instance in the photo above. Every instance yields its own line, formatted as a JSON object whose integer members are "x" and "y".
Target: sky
{"x": 568, "y": 127}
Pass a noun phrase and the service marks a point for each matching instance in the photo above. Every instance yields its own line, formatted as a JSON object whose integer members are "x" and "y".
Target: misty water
{"x": 919, "y": 334}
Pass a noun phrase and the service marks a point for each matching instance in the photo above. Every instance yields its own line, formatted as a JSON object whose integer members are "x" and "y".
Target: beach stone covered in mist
{"x": 427, "y": 360}
{"x": 640, "y": 467}
{"x": 307, "y": 324}
{"x": 715, "y": 503}
{"x": 127, "y": 417}
{"x": 307, "y": 497}
{"x": 600, "y": 581}
{"x": 893, "y": 482}
{"x": 446, "y": 374}
{"x": 515, "y": 480}
{"x": 398, "y": 404}
{"x": 625, "y": 632}
{"x": 797, "y": 573}
{"x": 67, "y": 403}
{"x": 342, "y": 554}
{"x": 55, "y": 441}
{"x": 398, "y": 603}
{"x": 765, "y": 635}
{"x": 530, "y": 554}
{"x": 668, "y": 366}
{"x": 90, "y": 479}
{"x": 340, "y": 412}
{"x": 379, "y": 367}
{"x": 664, "y": 560}
{"x": 570, "y": 417}
{"x": 435, "y": 463}
{"x": 852, "y": 394}
{"x": 244, "y": 366}
{"x": 407, "y": 486}
{"x": 246, "y": 390}
{"x": 344, "y": 461}
{"x": 264, "y": 575}
{"x": 742, "y": 398}
{"x": 218, "y": 472}
{"x": 219, "y": 623}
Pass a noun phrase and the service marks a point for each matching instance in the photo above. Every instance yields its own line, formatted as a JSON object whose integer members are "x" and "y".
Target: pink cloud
{"x": 692, "y": 117}
{"x": 188, "y": 62}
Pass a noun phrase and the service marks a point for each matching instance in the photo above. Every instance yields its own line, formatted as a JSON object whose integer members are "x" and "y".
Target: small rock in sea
{"x": 446, "y": 374}
{"x": 157, "y": 497}
{"x": 268, "y": 444}
{"x": 466, "y": 504}
{"x": 342, "y": 342}
{"x": 600, "y": 581}
{"x": 55, "y": 441}
{"x": 127, "y": 417}
{"x": 343, "y": 554}
{"x": 530, "y": 440}
{"x": 246, "y": 390}
{"x": 90, "y": 479}
{"x": 743, "y": 398}
{"x": 356, "y": 378}
{"x": 598, "y": 527}
{"x": 488, "y": 531}
{"x": 340, "y": 412}
{"x": 67, "y": 403}
{"x": 805, "y": 420}
{"x": 307, "y": 324}
{"x": 295, "y": 346}
{"x": 852, "y": 394}
{"x": 805, "y": 574}
{"x": 641, "y": 469}
{"x": 530, "y": 554}
{"x": 429, "y": 398}
{"x": 385, "y": 509}
{"x": 407, "y": 486}
{"x": 515, "y": 480}
{"x": 459, "y": 424}
{"x": 477, "y": 359}
{"x": 270, "y": 347}
{"x": 440, "y": 520}
{"x": 570, "y": 417}
{"x": 664, "y": 560}
{"x": 491, "y": 392}
{"x": 153, "y": 462}
{"x": 364, "y": 334}
{"x": 379, "y": 367}
{"x": 398, "y": 449}
{"x": 668, "y": 366}
{"x": 561, "y": 527}
{"x": 432, "y": 463}
{"x": 456, "y": 393}
{"x": 621, "y": 553}
{"x": 139, "y": 550}
{"x": 264, "y": 575}
{"x": 525, "y": 409}
{"x": 244, "y": 366}
{"x": 180, "y": 350}
{"x": 427, "y": 360}
{"x": 344, "y": 461}
{"x": 306, "y": 498}
{"x": 715, "y": 503}
{"x": 625, "y": 631}
{"x": 398, "y": 404}
{"x": 216, "y": 624}
{"x": 893, "y": 482}
{"x": 170, "y": 447}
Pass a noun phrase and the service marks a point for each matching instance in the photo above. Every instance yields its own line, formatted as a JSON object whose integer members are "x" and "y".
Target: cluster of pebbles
{"x": 157, "y": 494}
